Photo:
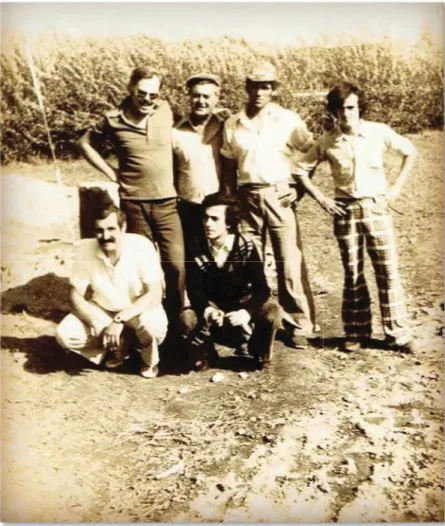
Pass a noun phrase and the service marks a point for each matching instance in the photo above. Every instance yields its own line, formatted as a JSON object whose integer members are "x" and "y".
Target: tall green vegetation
{"x": 81, "y": 79}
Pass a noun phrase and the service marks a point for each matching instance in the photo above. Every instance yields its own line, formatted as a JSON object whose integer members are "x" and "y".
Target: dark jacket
{"x": 239, "y": 284}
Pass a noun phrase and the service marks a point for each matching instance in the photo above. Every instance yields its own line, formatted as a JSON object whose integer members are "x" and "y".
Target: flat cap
{"x": 264, "y": 72}
{"x": 191, "y": 81}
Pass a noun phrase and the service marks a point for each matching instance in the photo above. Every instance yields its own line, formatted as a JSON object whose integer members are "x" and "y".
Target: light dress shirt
{"x": 197, "y": 158}
{"x": 116, "y": 287}
{"x": 265, "y": 147}
{"x": 356, "y": 161}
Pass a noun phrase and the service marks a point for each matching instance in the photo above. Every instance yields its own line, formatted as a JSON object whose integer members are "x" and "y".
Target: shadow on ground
{"x": 44, "y": 297}
{"x": 44, "y": 355}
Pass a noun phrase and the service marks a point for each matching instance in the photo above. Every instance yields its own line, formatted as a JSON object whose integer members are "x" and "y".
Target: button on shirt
{"x": 198, "y": 162}
{"x": 266, "y": 146}
{"x": 116, "y": 287}
{"x": 145, "y": 156}
{"x": 356, "y": 160}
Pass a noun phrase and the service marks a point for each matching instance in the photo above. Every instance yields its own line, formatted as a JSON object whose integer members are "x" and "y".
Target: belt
{"x": 260, "y": 186}
{"x": 358, "y": 199}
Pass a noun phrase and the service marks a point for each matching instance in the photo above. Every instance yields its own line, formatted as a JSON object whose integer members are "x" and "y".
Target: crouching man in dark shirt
{"x": 228, "y": 291}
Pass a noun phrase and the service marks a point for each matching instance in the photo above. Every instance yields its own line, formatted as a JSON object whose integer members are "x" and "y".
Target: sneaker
{"x": 408, "y": 347}
{"x": 296, "y": 340}
{"x": 242, "y": 350}
{"x": 351, "y": 345}
{"x": 149, "y": 371}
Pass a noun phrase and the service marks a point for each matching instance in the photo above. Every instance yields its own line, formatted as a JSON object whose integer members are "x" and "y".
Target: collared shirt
{"x": 220, "y": 254}
{"x": 145, "y": 156}
{"x": 198, "y": 161}
{"x": 266, "y": 146}
{"x": 116, "y": 287}
{"x": 356, "y": 160}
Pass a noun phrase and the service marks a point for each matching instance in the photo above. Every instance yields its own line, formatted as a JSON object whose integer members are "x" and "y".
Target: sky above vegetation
{"x": 279, "y": 23}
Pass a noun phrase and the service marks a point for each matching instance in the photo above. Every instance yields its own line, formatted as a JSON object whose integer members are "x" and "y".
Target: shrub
{"x": 81, "y": 79}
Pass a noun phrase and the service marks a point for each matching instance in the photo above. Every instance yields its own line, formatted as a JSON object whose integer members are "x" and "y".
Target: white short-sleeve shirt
{"x": 116, "y": 287}
{"x": 356, "y": 161}
{"x": 265, "y": 147}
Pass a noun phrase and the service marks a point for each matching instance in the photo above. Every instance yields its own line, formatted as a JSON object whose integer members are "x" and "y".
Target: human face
{"x": 349, "y": 115}
{"x": 144, "y": 93}
{"x": 215, "y": 225}
{"x": 203, "y": 99}
{"x": 109, "y": 234}
{"x": 259, "y": 94}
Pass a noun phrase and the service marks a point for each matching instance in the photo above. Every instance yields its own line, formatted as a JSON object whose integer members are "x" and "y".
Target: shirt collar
{"x": 211, "y": 128}
{"x": 126, "y": 103}
{"x": 227, "y": 245}
{"x": 343, "y": 137}
{"x": 271, "y": 110}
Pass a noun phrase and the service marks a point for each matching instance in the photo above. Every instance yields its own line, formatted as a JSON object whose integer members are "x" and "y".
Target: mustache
{"x": 110, "y": 239}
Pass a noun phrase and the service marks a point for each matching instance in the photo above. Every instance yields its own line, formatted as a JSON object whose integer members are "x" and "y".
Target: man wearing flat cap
{"x": 197, "y": 140}
{"x": 262, "y": 141}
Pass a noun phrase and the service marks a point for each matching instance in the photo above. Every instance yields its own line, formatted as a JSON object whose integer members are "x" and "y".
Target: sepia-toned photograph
{"x": 222, "y": 272}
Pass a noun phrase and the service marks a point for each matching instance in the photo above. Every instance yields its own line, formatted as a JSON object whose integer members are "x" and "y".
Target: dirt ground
{"x": 321, "y": 436}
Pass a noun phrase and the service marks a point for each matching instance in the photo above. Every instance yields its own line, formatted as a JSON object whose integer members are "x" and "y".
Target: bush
{"x": 81, "y": 79}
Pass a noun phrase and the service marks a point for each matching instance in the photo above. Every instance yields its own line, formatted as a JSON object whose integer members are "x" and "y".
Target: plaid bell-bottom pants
{"x": 368, "y": 224}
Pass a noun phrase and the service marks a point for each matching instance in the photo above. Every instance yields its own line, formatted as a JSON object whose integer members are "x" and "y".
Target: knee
{"x": 61, "y": 336}
{"x": 188, "y": 321}
{"x": 175, "y": 270}
{"x": 271, "y": 313}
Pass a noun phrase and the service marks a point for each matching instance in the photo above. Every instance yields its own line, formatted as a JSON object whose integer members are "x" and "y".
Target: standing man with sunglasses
{"x": 140, "y": 130}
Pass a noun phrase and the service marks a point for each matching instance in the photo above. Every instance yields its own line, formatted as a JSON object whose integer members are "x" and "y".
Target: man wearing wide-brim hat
{"x": 262, "y": 140}
{"x": 197, "y": 140}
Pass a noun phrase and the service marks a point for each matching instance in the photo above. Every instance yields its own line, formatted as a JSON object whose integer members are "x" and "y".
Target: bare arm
{"x": 329, "y": 205}
{"x": 94, "y": 157}
{"x": 82, "y": 309}
{"x": 405, "y": 169}
{"x": 151, "y": 298}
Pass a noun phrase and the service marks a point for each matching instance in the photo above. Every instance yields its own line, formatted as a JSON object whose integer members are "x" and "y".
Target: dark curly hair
{"x": 232, "y": 208}
{"x": 339, "y": 93}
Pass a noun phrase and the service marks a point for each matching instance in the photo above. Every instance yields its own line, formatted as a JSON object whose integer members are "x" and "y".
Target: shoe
{"x": 296, "y": 340}
{"x": 149, "y": 371}
{"x": 117, "y": 358}
{"x": 351, "y": 345}
{"x": 201, "y": 365}
{"x": 242, "y": 350}
{"x": 262, "y": 363}
{"x": 408, "y": 347}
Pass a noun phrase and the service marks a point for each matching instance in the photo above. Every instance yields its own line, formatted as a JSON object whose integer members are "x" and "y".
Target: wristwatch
{"x": 117, "y": 319}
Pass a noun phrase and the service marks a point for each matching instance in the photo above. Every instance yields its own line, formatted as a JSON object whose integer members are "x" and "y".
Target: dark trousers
{"x": 265, "y": 323}
{"x": 159, "y": 221}
{"x": 192, "y": 224}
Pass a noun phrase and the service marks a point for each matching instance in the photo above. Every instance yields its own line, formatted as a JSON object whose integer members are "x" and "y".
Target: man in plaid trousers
{"x": 354, "y": 150}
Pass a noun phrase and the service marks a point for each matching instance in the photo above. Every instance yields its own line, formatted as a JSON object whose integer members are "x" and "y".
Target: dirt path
{"x": 321, "y": 436}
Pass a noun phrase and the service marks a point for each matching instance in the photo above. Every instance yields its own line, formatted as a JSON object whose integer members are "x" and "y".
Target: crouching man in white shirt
{"x": 116, "y": 283}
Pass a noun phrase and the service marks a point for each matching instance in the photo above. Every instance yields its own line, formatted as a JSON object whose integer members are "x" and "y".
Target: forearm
{"x": 309, "y": 187}
{"x": 93, "y": 157}
{"x": 147, "y": 301}
{"x": 405, "y": 169}
{"x": 83, "y": 309}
